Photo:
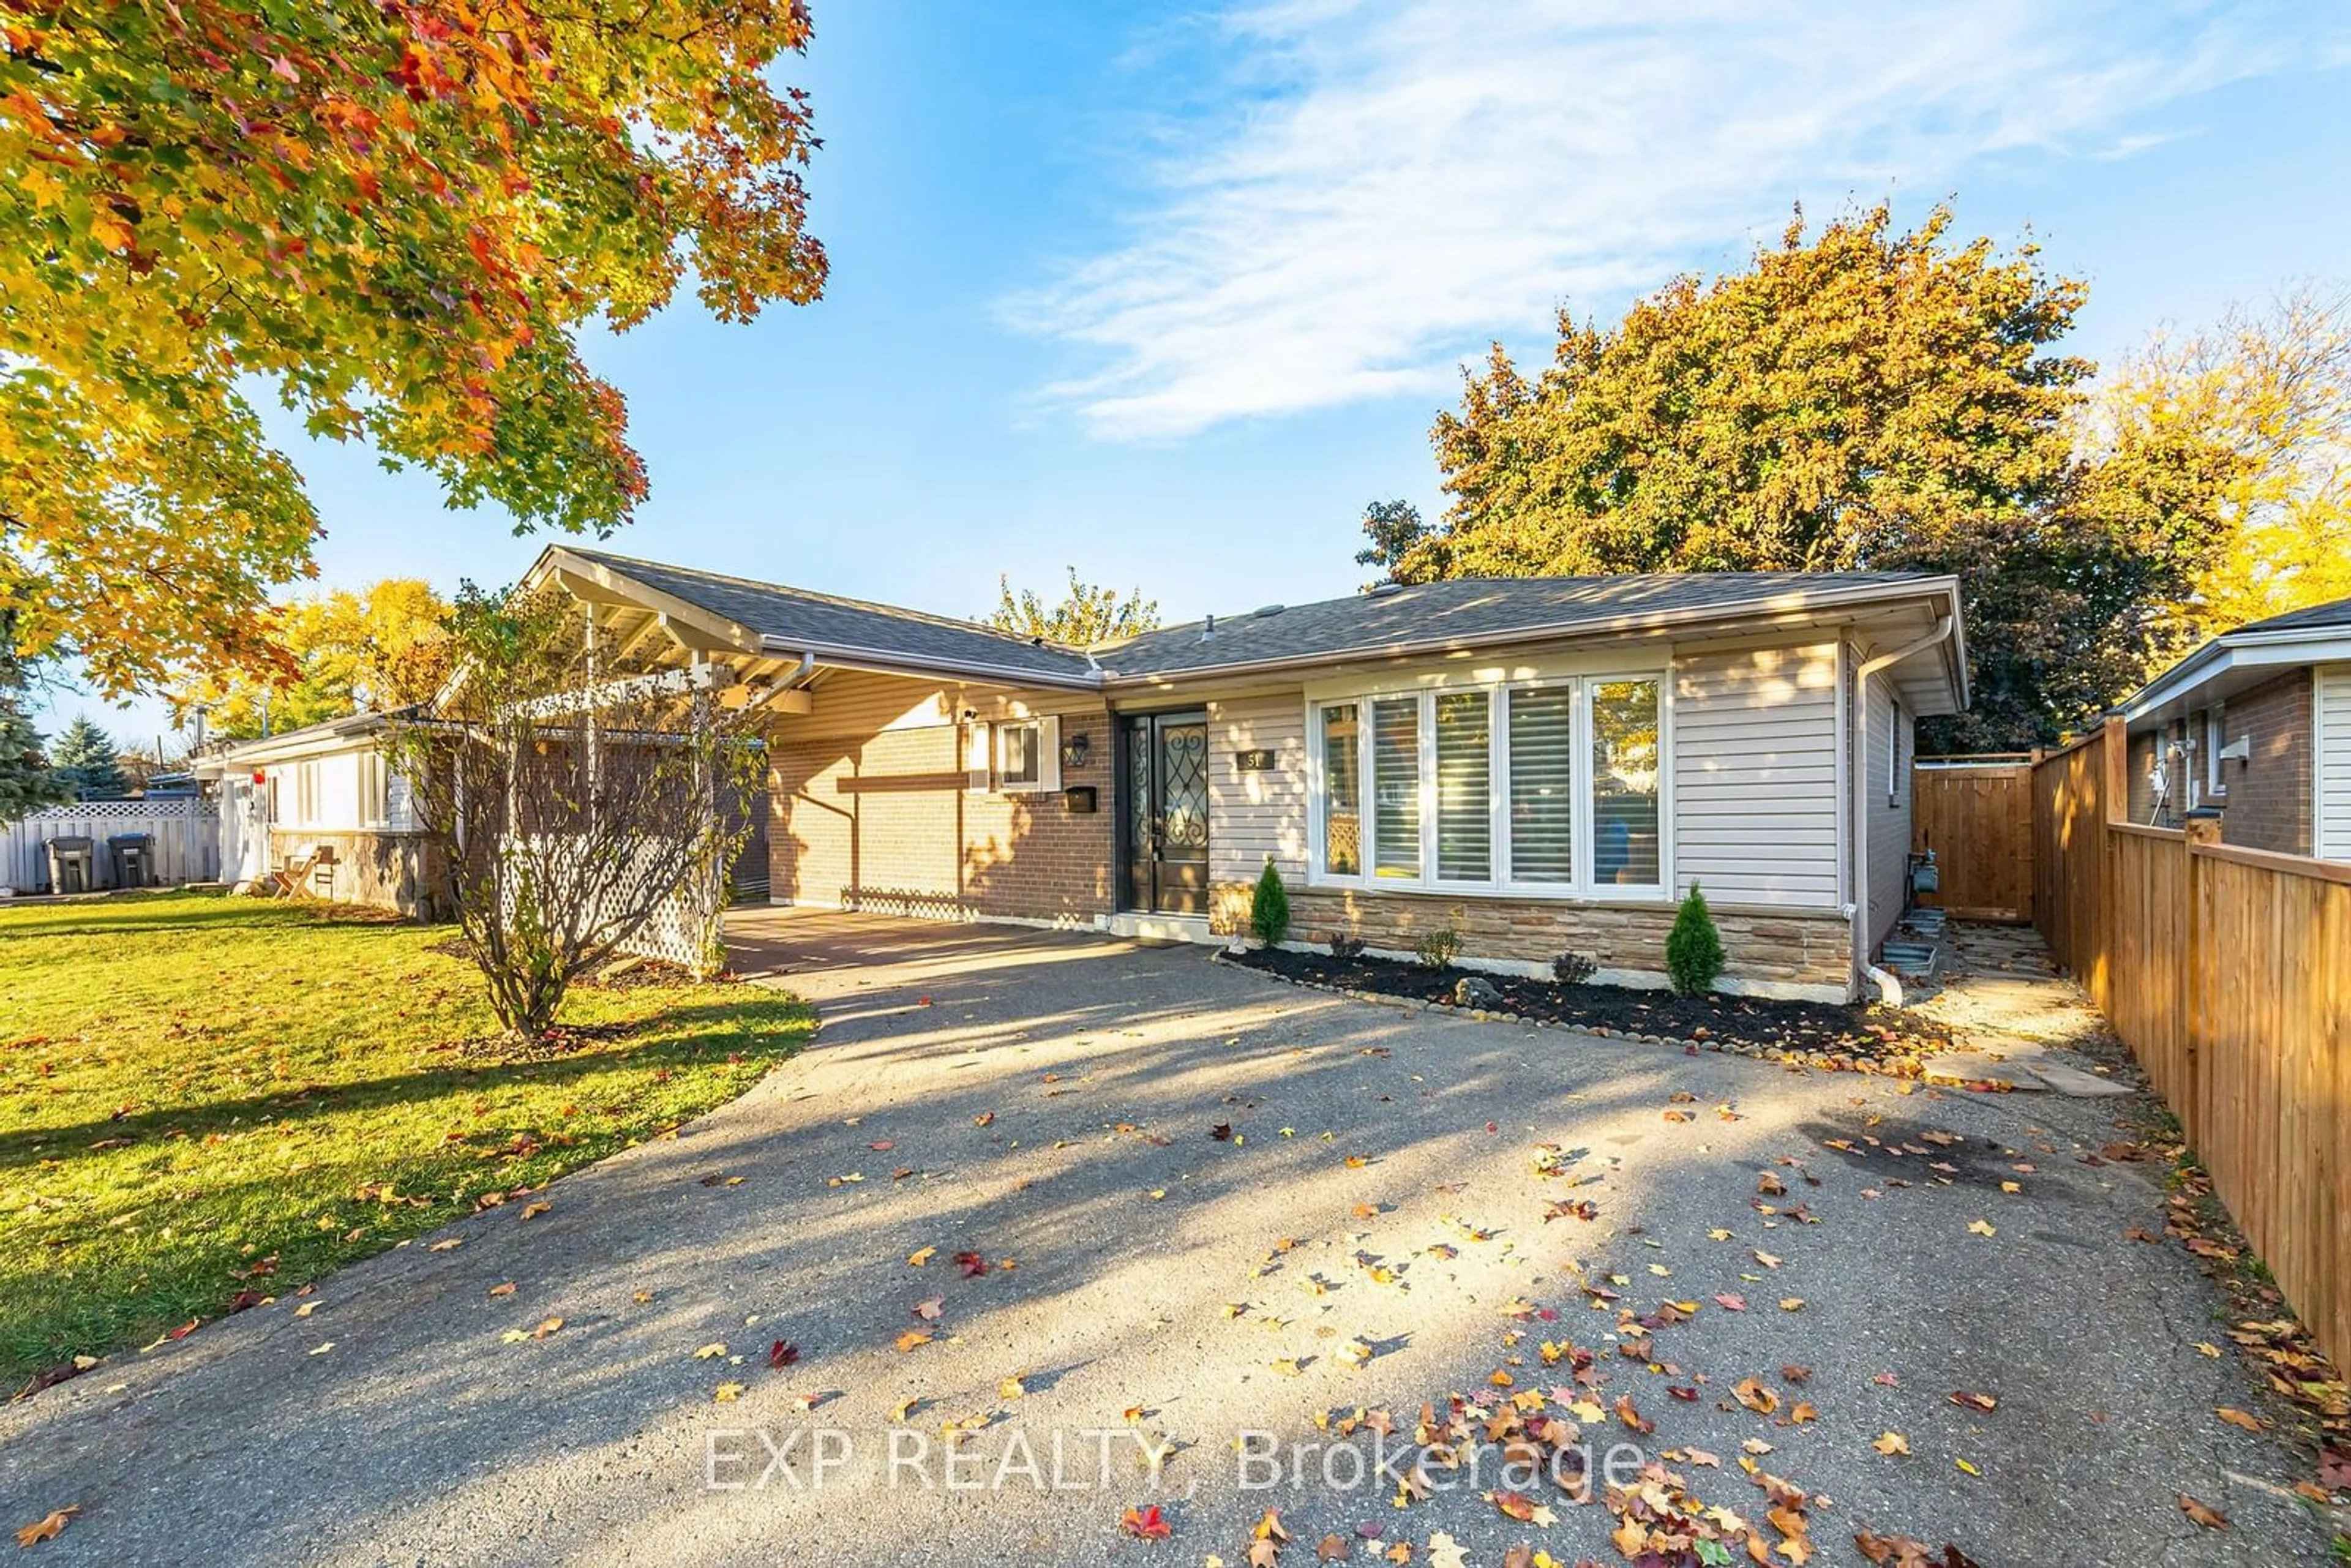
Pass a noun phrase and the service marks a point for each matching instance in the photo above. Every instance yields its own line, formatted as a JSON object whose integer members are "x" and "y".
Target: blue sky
{"x": 1169, "y": 293}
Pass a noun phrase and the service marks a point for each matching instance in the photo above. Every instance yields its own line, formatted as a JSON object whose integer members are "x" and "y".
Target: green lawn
{"x": 202, "y": 1095}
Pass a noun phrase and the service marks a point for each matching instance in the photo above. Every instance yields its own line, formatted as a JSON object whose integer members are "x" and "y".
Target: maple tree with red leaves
{"x": 397, "y": 214}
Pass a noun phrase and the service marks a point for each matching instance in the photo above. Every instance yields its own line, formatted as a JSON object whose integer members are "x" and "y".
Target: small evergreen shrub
{"x": 1345, "y": 945}
{"x": 1269, "y": 907}
{"x": 1439, "y": 948}
{"x": 1573, "y": 968}
{"x": 1693, "y": 948}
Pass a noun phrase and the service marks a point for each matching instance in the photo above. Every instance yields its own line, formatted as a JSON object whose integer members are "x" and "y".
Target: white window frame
{"x": 1045, "y": 734}
{"x": 2216, "y": 724}
{"x": 1583, "y": 887}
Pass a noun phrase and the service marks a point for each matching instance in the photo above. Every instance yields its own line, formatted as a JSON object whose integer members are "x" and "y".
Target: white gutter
{"x": 1890, "y": 987}
{"x": 866, "y": 659}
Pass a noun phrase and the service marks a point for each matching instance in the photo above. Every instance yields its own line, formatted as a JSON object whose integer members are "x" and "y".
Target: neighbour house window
{"x": 1343, "y": 795}
{"x": 306, "y": 794}
{"x": 372, "y": 790}
{"x": 1555, "y": 788}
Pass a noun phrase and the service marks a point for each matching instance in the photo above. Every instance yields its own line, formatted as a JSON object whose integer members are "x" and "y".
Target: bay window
{"x": 1553, "y": 788}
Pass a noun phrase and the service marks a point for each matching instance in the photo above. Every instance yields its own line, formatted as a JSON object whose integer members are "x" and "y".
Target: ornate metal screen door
{"x": 1165, "y": 815}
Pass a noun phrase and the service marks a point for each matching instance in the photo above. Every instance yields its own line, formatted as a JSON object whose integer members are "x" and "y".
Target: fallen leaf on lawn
{"x": 727, "y": 1392}
{"x": 2209, "y": 1517}
{"x": 912, "y": 1338}
{"x": 1891, "y": 1443}
{"x": 1756, "y": 1396}
{"x": 1983, "y": 1228}
{"x": 533, "y": 1210}
{"x": 921, "y": 1255}
{"x": 1144, "y": 1523}
{"x": 2249, "y": 1422}
{"x": 710, "y": 1352}
{"x": 47, "y": 1528}
{"x": 782, "y": 1353}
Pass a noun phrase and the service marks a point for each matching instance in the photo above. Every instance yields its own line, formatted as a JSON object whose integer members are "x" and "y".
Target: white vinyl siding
{"x": 1258, "y": 814}
{"x": 1755, "y": 775}
{"x": 2331, "y": 749}
{"x": 1885, "y": 734}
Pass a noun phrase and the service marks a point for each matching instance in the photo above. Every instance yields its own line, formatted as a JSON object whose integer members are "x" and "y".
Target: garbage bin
{"x": 134, "y": 859}
{"x": 73, "y": 865}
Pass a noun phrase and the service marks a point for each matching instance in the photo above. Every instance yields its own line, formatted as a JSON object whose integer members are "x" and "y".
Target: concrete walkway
{"x": 2020, "y": 1021}
{"x": 1050, "y": 1105}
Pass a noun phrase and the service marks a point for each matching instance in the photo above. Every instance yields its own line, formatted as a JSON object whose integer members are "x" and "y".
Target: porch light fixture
{"x": 1075, "y": 750}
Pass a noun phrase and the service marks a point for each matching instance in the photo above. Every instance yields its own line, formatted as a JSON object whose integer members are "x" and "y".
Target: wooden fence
{"x": 1976, "y": 815}
{"x": 2228, "y": 973}
{"x": 185, "y": 831}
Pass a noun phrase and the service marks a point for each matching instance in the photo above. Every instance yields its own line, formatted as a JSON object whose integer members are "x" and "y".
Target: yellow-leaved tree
{"x": 383, "y": 647}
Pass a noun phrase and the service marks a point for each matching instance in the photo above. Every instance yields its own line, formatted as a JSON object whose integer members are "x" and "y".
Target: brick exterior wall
{"x": 1787, "y": 946}
{"x": 2268, "y": 797}
{"x": 883, "y": 822}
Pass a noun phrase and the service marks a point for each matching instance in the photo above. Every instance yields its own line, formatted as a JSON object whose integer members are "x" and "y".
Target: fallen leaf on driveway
{"x": 911, "y": 1339}
{"x": 1792, "y": 1304}
{"x": 533, "y": 1210}
{"x": 2249, "y": 1422}
{"x": 1756, "y": 1396}
{"x": 1730, "y": 1301}
{"x": 1974, "y": 1401}
{"x": 1144, "y": 1523}
{"x": 1891, "y": 1443}
{"x": 972, "y": 1264}
{"x": 322, "y": 1349}
{"x": 1443, "y": 1551}
{"x": 727, "y": 1392}
{"x": 782, "y": 1353}
{"x": 47, "y": 1528}
{"x": 984, "y": 1119}
{"x": 928, "y": 1308}
{"x": 921, "y": 1256}
{"x": 710, "y": 1352}
{"x": 1333, "y": 1549}
{"x": 1770, "y": 1186}
{"x": 2210, "y": 1517}
{"x": 1766, "y": 1259}
{"x": 506, "y": 1289}
{"x": 1983, "y": 1228}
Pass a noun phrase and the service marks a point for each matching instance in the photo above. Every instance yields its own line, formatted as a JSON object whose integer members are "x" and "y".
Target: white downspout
{"x": 1889, "y": 987}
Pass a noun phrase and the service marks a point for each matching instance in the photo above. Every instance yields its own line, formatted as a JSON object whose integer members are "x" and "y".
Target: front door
{"x": 1164, "y": 823}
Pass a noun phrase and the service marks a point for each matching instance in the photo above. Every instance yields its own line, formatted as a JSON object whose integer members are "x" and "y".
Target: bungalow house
{"x": 321, "y": 802}
{"x": 1541, "y": 765}
{"x": 2255, "y": 726}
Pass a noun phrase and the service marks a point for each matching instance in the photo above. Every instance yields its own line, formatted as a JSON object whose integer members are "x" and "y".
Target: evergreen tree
{"x": 27, "y": 782}
{"x": 87, "y": 763}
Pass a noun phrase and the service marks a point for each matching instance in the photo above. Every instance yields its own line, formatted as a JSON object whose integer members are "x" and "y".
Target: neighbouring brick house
{"x": 2256, "y": 725}
{"x": 1543, "y": 764}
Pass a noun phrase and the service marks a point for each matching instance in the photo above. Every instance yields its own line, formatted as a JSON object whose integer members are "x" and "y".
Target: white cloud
{"x": 1388, "y": 185}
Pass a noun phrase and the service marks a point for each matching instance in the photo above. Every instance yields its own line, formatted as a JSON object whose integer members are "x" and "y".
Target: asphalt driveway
{"x": 1372, "y": 1235}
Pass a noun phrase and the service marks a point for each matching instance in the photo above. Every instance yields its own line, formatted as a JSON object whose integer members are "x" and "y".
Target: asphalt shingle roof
{"x": 1429, "y": 615}
{"x": 1463, "y": 608}
{"x": 2310, "y": 618}
{"x": 794, "y": 614}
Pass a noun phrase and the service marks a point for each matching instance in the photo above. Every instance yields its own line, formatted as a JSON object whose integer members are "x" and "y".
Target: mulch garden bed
{"x": 1843, "y": 1037}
